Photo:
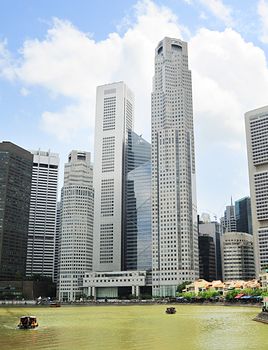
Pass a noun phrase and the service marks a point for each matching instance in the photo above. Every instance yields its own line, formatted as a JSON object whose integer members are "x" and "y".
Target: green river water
{"x": 134, "y": 327}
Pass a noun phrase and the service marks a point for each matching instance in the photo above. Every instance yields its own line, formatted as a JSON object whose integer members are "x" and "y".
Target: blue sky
{"x": 53, "y": 54}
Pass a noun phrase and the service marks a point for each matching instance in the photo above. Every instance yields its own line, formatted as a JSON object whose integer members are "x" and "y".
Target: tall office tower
{"x": 207, "y": 258}
{"x": 76, "y": 238}
{"x": 257, "y": 149}
{"x": 57, "y": 242}
{"x": 212, "y": 229}
{"x": 42, "y": 221}
{"x": 237, "y": 256}
{"x": 174, "y": 217}
{"x": 137, "y": 236}
{"x": 243, "y": 215}
{"x": 228, "y": 221}
{"x": 114, "y": 118}
{"x": 15, "y": 193}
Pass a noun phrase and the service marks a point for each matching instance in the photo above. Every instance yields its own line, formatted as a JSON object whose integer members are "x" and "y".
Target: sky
{"x": 53, "y": 54}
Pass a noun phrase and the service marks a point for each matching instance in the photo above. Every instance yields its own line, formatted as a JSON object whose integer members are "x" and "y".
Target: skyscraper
{"x": 212, "y": 229}
{"x": 42, "y": 220}
{"x": 228, "y": 221}
{"x": 257, "y": 149}
{"x": 237, "y": 256}
{"x": 76, "y": 234}
{"x": 174, "y": 217}
{"x": 15, "y": 191}
{"x": 207, "y": 258}
{"x": 122, "y": 207}
{"x": 137, "y": 237}
{"x": 114, "y": 118}
{"x": 57, "y": 243}
{"x": 243, "y": 215}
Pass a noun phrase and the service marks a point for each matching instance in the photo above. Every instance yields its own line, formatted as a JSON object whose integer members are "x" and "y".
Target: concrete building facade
{"x": 76, "y": 231}
{"x": 257, "y": 149}
{"x": 237, "y": 256}
{"x": 122, "y": 184}
{"x": 174, "y": 216}
{"x": 42, "y": 219}
{"x": 114, "y": 118}
{"x": 228, "y": 221}
{"x": 15, "y": 193}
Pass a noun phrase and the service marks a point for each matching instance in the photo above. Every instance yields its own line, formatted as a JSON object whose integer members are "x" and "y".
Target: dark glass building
{"x": 243, "y": 215}
{"x": 207, "y": 262}
{"x": 137, "y": 252}
{"x": 15, "y": 191}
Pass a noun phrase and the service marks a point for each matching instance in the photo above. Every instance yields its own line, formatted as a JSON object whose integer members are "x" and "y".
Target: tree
{"x": 182, "y": 286}
{"x": 232, "y": 294}
{"x": 208, "y": 294}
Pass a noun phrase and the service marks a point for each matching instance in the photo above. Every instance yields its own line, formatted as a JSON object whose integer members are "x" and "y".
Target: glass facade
{"x": 207, "y": 262}
{"x": 243, "y": 215}
{"x": 137, "y": 231}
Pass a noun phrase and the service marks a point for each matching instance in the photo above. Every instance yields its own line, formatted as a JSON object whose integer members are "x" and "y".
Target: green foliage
{"x": 250, "y": 291}
{"x": 209, "y": 294}
{"x": 264, "y": 293}
{"x": 187, "y": 295}
{"x": 232, "y": 294}
{"x": 182, "y": 286}
{"x": 145, "y": 296}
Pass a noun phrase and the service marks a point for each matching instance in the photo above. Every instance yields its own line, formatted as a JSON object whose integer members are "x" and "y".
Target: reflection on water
{"x": 135, "y": 327}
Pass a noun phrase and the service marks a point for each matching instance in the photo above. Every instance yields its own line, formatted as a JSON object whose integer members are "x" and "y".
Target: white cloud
{"x": 263, "y": 13}
{"x": 68, "y": 121}
{"x": 6, "y": 63}
{"x": 71, "y": 63}
{"x": 219, "y": 10}
{"x": 230, "y": 76}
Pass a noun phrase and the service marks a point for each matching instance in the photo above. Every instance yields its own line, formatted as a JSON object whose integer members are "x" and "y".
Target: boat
{"x": 55, "y": 304}
{"x": 170, "y": 310}
{"x": 28, "y": 322}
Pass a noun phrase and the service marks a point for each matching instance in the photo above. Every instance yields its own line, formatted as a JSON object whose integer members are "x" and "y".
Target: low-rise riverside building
{"x": 202, "y": 285}
{"x": 114, "y": 284}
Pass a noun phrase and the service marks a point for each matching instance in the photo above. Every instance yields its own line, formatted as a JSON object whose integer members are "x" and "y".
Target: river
{"x": 134, "y": 327}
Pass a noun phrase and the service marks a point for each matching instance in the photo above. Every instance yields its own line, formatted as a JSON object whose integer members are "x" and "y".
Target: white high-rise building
{"x": 42, "y": 217}
{"x": 57, "y": 242}
{"x": 76, "y": 236}
{"x": 114, "y": 118}
{"x": 174, "y": 216}
{"x": 257, "y": 149}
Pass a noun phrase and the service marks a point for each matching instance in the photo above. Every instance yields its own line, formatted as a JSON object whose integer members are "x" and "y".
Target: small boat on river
{"x": 170, "y": 310}
{"x": 28, "y": 322}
